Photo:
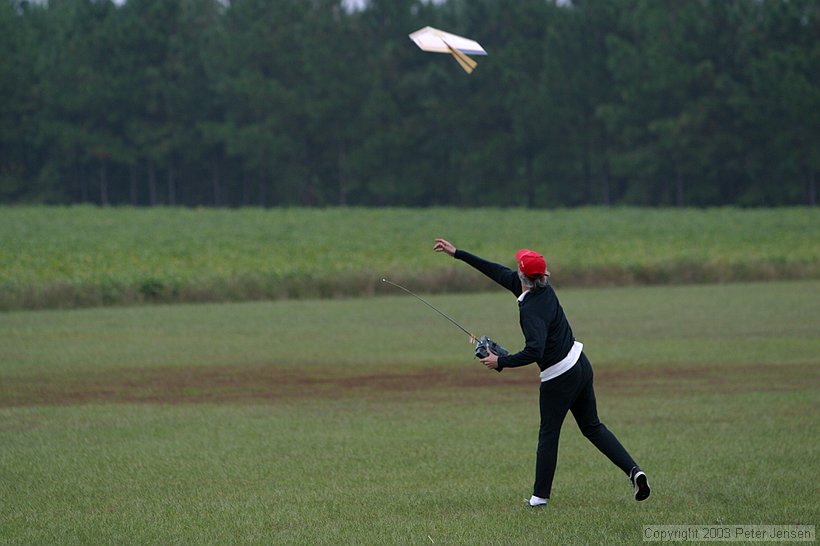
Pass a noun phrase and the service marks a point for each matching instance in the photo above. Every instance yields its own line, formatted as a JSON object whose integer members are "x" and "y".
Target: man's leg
{"x": 555, "y": 397}
{"x": 585, "y": 412}
{"x": 546, "y": 459}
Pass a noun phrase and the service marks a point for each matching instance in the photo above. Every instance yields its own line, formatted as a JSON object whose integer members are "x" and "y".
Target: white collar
{"x": 523, "y": 295}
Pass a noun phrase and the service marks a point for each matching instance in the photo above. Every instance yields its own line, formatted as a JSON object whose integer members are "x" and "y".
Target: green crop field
{"x": 83, "y": 256}
{"x": 366, "y": 421}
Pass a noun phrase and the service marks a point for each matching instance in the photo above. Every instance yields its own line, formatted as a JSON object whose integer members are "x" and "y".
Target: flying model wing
{"x": 438, "y": 41}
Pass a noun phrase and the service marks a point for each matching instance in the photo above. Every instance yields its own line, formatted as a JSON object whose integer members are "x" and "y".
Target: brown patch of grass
{"x": 272, "y": 384}
{"x": 709, "y": 379}
{"x": 221, "y": 384}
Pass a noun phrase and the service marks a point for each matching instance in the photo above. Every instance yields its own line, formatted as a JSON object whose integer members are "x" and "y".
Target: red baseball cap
{"x": 531, "y": 263}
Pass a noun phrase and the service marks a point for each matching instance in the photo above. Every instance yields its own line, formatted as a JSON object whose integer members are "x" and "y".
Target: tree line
{"x": 320, "y": 103}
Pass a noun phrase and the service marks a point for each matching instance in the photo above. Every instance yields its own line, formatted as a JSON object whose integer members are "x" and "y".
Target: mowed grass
{"x": 366, "y": 421}
{"x": 62, "y": 257}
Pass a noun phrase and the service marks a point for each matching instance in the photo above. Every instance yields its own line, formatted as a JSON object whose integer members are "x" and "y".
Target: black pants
{"x": 572, "y": 391}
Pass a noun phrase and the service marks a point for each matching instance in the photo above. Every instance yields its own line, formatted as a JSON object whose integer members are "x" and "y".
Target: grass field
{"x": 61, "y": 257}
{"x": 365, "y": 421}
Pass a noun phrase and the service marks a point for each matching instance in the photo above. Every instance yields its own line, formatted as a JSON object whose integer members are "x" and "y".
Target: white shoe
{"x": 639, "y": 483}
{"x": 534, "y": 502}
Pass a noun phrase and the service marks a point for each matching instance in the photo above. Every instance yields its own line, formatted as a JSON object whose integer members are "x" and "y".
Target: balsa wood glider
{"x": 438, "y": 41}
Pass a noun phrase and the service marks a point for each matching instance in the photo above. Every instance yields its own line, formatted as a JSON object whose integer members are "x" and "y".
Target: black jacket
{"x": 546, "y": 330}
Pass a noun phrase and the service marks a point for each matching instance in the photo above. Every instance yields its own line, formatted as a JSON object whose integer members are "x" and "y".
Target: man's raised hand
{"x": 445, "y": 246}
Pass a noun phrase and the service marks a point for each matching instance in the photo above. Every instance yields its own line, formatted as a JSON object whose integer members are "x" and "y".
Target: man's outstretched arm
{"x": 504, "y": 276}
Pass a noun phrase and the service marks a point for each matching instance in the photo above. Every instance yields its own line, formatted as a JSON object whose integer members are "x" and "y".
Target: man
{"x": 566, "y": 374}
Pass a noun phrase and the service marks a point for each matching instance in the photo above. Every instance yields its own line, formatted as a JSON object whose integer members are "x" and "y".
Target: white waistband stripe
{"x": 568, "y": 362}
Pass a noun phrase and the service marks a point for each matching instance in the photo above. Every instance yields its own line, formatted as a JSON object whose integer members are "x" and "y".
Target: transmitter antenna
{"x": 473, "y": 339}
